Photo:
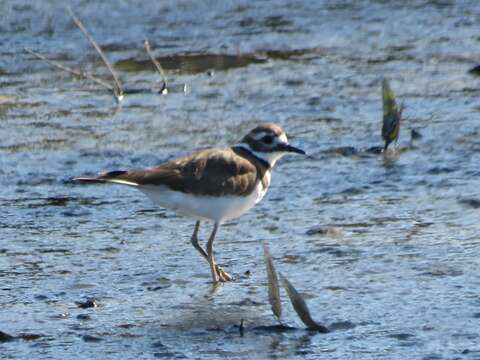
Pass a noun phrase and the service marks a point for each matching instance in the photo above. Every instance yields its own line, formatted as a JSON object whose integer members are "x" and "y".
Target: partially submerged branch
{"x": 78, "y": 73}
{"x": 117, "y": 89}
{"x": 159, "y": 68}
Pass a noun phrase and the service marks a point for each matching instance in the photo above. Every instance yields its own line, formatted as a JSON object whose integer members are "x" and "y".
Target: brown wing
{"x": 212, "y": 172}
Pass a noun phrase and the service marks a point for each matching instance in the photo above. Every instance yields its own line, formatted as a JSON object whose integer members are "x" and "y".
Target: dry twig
{"x": 78, "y": 73}
{"x": 117, "y": 89}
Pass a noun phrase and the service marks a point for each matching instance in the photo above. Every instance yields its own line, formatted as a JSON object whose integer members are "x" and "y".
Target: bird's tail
{"x": 115, "y": 177}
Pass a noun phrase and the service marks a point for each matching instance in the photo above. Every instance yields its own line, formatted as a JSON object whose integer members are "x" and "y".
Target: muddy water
{"x": 387, "y": 256}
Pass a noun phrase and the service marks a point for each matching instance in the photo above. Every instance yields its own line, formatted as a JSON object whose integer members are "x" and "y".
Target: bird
{"x": 391, "y": 115}
{"x": 215, "y": 184}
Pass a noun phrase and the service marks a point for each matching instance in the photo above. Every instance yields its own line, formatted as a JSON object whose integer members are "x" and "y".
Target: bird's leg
{"x": 222, "y": 274}
{"x": 210, "y": 258}
{"x": 194, "y": 241}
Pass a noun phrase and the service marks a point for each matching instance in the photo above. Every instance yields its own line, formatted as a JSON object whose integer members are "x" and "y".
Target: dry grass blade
{"x": 155, "y": 62}
{"x": 273, "y": 284}
{"x": 301, "y": 307}
{"x": 117, "y": 89}
{"x": 78, "y": 73}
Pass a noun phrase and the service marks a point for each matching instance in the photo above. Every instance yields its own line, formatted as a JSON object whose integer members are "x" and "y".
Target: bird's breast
{"x": 263, "y": 185}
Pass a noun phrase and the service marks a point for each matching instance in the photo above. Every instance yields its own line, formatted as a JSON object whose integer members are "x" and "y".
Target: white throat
{"x": 270, "y": 157}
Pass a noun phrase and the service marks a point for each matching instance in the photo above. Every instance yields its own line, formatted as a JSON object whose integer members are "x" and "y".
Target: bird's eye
{"x": 267, "y": 139}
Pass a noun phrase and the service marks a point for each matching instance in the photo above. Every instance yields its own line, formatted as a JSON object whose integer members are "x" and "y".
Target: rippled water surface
{"x": 387, "y": 255}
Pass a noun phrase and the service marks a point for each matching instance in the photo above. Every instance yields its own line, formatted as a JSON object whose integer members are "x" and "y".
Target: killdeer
{"x": 391, "y": 115}
{"x": 214, "y": 184}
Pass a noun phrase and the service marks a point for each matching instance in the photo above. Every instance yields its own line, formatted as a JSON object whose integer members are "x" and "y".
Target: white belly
{"x": 213, "y": 208}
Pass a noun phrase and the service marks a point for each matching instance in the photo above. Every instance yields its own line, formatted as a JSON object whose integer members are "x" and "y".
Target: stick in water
{"x": 273, "y": 285}
{"x": 117, "y": 89}
{"x": 159, "y": 68}
{"x": 79, "y": 73}
{"x": 301, "y": 307}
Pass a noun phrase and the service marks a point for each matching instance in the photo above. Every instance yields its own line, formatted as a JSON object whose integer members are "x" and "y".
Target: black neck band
{"x": 251, "y": 153}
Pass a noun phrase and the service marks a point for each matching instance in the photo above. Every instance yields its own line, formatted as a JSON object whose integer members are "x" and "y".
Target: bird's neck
{"x": 268, "y": 159}
{"x": 262, "y": 165}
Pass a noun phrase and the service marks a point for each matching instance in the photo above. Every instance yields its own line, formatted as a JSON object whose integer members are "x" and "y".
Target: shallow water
{"x": 387, "y": 256}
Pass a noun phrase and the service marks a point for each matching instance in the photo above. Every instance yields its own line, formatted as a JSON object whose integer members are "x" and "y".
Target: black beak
{"x": 290, "y": 148}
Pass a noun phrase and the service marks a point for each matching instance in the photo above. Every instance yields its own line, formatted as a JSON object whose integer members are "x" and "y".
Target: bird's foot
{"x": 223, "y": 276}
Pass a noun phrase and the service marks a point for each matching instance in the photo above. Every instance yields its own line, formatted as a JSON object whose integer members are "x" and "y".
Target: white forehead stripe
{"x": 258, "y": 136}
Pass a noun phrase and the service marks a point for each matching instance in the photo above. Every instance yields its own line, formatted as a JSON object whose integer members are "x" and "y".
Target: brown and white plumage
{"x": 213, "y": 184}
{"x": 211, "y": 172}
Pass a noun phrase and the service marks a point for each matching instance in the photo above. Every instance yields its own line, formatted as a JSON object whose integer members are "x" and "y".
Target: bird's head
{"x": 268, "y": 142}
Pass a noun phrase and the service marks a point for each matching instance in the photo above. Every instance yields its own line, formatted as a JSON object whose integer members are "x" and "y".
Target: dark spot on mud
{"x": 442, "y": 272}
{"x": 324, "y": 231}
{"x": 275, "y": 329}
{"x": 168, "y": 355}
{"x": 89, "y": 303}
{"x": 440, "y": 170}
{"x": 335, "y": 288}
{"x": 374, "y": 150}
{"x": 341, "y": 325}
{"x": 401, "y": 336}
{"x": 246, "y": 302}
{"x": 317, "y": 230}
{"x": 54, "y": 251}
{"x": 91, "y": 338}
{"x": 4, "y": 337}
{"x": 475, "y": 70}
{"x": 215, "y": 329}
{"x": 158, "y": 345}
{"x": 326, "y": 119}
{"x": 415, "y": 134}
{"x": 294, "y": 82}
{"x": 342, "y": 150}
{"x": 293, "y": 259}
{"x": 126, "y": 326}
{"x": 110, "y": 249}
{"x": 158, "y": 284}
{"x": 57, "y": 201}
{"x": 352, "y": 191}
{"x": 29, "y": 337}
{"x": 473, "y": 203}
